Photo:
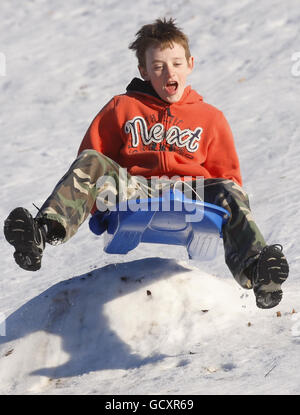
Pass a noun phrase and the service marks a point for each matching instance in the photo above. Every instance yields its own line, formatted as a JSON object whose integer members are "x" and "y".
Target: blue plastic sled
{"x": 170, "y": 219}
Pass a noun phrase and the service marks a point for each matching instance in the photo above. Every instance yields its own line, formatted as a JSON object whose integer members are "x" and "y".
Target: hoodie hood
{"x": 138, "y": 86}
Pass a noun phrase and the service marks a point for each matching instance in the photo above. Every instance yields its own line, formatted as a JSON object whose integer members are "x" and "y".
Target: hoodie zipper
{"x": 166, "y": 117}
{"x": 169, "y": 111}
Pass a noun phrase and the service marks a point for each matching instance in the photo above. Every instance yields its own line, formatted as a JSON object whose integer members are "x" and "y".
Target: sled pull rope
{"x": 225, "y": 216}
{"x": 188, "y": 185}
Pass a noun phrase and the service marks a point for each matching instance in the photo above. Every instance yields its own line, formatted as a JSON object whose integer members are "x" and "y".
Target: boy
{"x": 159, "y": 127}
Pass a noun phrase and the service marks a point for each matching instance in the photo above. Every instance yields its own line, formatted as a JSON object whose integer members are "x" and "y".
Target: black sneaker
{"x": 28, "y": 238}
{"x": 270, "y": 272}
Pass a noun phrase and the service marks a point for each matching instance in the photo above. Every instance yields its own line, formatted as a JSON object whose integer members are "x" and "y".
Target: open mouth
{"x": 171, "y": 87}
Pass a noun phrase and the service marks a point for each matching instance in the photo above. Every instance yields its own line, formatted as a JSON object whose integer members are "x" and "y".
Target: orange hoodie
{"x": 151, "y": 137}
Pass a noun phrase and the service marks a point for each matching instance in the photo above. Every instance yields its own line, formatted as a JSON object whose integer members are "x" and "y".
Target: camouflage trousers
{"x": 94, "y": 178}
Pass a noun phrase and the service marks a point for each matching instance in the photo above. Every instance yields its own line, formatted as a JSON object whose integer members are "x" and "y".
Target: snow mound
{"x": 120, "y": 316}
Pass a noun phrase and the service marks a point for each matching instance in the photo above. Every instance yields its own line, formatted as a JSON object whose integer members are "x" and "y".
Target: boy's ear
{"x": 191, "y": 63}
{"x": 143, "y": 73}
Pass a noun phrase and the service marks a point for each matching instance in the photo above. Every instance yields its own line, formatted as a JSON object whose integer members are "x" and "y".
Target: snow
{"x": 150, "y": 322}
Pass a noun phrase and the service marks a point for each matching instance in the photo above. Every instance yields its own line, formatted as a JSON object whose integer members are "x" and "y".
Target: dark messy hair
{"x": 160, "y": 33}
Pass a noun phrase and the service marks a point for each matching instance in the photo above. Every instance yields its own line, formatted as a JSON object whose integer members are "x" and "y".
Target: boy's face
{"x": 167, "y": 70}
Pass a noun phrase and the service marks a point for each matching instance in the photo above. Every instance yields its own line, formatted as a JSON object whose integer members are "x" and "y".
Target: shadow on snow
{"x": 73, "y": 310}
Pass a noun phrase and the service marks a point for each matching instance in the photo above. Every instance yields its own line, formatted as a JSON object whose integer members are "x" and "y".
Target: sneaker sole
{"x": 269, "y": 299}
{"x": 19, "y": 232}
{"x": 274, "y": 268}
